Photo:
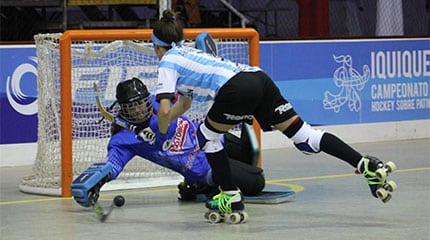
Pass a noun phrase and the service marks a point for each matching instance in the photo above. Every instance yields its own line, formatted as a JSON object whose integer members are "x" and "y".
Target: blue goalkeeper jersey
{"x": 195, "y": 74}
{"x": 182, "y": 155}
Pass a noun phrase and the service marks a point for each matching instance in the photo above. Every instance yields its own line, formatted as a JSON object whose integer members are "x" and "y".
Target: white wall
{"x": 357, "y": 133}
{"x": 25, "y": 154}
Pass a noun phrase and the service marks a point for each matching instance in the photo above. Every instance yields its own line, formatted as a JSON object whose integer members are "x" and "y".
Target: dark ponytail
{"x": 168, "y": 29}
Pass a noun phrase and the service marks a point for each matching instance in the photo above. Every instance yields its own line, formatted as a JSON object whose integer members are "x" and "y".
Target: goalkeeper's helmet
{"x": 135, "y": 102}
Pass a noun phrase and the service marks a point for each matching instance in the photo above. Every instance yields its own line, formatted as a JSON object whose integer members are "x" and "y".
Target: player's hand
{"x": 86, "y": 187}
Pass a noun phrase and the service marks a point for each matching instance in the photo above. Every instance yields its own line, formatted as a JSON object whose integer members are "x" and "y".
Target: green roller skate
{"x": 226, "y": 207}
{"x": 375, "y": 173}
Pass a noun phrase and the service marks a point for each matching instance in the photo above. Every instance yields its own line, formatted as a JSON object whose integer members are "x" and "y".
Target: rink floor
{"x": 331, "y": 203}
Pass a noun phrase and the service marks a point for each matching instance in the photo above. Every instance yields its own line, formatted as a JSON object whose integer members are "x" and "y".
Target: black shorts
{"x": 248, "y": 95}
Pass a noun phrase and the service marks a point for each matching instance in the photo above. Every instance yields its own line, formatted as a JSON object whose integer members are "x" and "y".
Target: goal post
{"x": 70, "y": 63}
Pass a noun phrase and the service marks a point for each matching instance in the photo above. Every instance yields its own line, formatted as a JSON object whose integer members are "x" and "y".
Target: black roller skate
{"x": 195, "y": 192}
{"x": 186, "y": 192}
{"x": 375, "y": 173}
{"x": 226, "y": 206}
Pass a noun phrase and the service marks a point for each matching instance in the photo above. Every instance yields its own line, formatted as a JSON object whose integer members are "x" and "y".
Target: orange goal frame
{"x": 125, "y": 34}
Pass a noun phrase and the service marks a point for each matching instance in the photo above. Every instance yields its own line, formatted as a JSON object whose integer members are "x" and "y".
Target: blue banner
{"x": 352, "y": 81}
{"x": 18, "y": 94}
{"x": 328, "y": 82}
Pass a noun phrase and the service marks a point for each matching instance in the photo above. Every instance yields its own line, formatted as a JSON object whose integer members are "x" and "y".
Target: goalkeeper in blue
{"x": 240, "y": 93}
{"x": 177, "y": 149}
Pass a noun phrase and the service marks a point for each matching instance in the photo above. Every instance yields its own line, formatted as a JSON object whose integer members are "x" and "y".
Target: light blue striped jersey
{"x": 196, "y": 74}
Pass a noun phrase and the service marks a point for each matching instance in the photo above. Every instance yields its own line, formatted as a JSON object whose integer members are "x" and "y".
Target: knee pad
{"x": 209, "y": 141}
{"x": 308, "y": 139}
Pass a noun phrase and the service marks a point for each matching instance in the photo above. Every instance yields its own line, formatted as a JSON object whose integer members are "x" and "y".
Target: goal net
{"x": 70, "y": 134}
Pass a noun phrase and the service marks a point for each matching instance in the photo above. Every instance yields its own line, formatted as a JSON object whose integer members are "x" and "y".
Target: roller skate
{"x": 226, "y": 207}
{"x": 195, "y": 192}
{"x": 376, "y": 172}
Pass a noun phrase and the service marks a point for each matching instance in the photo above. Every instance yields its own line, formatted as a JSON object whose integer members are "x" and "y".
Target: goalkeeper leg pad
{"x": 86, "y": 187}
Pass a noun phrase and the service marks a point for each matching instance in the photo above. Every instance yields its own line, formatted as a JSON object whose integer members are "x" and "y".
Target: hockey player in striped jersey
{"x": 240, "y": 92}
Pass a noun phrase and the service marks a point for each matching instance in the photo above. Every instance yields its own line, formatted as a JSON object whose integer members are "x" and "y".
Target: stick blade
{"x": 109, "y": 116}
{"x": 101, "y": 215}
{"x": 206, "y": 43}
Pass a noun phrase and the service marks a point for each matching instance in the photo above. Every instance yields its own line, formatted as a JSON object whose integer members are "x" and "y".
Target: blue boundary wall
{"x": 336, "y": 82}
{"x": 330, "y": 82}
{"x": 18, "y": 94}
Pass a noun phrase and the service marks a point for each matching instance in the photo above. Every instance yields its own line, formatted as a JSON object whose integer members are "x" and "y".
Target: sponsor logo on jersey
{"x": 283, "y": 108}
{"x": 238, "y": 117}
{"x": 180, "y": 136}
{"x": 166, "y": 145}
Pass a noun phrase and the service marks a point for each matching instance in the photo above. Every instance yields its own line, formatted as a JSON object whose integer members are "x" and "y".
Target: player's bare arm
{"x": 163, "y": 115}
{"x": 180, "y": 107}
{"x": 167, "y": 114}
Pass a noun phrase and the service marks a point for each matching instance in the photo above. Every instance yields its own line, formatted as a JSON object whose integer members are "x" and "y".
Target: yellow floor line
{"x": 279, "y": 182}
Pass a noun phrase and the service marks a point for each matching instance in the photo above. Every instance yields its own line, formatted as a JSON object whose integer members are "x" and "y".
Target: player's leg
{"x": 310, "y": 140}
{"x": 275, "y": 112}
{"x": 241, "y": 149}
{"x": 233, "y": 146}
{"x": 86, "y": 187}
{"x": 230, "y": 198}
{"x": 234, "y": 103}
{"x": 250, "y": 179}
{"x": 209, "y": 133}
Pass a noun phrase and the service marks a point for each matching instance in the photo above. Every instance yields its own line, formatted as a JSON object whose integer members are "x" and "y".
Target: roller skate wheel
{"x": 387, "y": 198}
{"x": 391, "y": 186}
{"x": 214, "y": 217}
{"x": 381, "y": 174}
{"x": 391, "y": 167}
{"x": 244, "y": 217}
{"x": 206, "y": 215}
{"x": 381, "y": 193}
{"x": 233, "y": 218}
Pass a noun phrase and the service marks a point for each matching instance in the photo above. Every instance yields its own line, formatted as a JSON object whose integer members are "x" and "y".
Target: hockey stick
{"x": 109, "y": 116}
{"x": 101, "y": 215}
{"x": 206, "y": 43}
{"x": 255, "y": 148}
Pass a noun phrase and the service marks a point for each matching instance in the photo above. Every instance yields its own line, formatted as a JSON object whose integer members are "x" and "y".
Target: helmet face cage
{"x": 136, "y": 112}
{"x": 134, "y": 101}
